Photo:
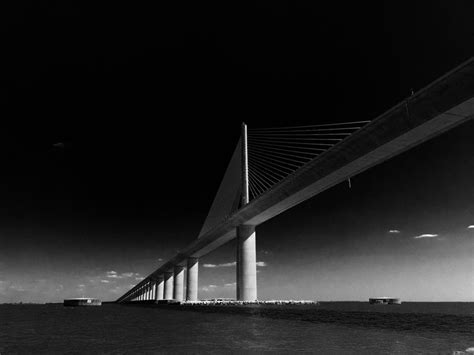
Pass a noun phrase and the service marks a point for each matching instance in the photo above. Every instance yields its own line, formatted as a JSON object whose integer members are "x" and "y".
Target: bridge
{"x": 274, "y": 169}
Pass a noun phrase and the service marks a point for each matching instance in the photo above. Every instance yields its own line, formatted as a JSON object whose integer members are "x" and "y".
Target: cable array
{"x": 275, "y": 153}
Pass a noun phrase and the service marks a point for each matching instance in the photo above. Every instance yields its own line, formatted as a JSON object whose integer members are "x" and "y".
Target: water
{"x": 330, "y": 328}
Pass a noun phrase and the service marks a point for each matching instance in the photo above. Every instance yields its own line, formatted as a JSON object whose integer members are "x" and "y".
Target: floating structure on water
{"x": 82, "y": 301}
{"x": 385, "y": 300}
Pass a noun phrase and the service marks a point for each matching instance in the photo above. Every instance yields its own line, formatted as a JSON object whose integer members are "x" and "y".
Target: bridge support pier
{"x": 148, "y": 291}
{"x": 159, "y": 283}
{"x": 192, "y": 279}
{"x": 168, "y": 291}
{"x": 178, "y": 289}
{"x": 246, "y": 264}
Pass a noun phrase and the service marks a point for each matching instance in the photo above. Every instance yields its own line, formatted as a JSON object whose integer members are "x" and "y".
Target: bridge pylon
{"x": 246, "y": 243}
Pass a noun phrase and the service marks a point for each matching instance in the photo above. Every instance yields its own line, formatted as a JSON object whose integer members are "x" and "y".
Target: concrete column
{"x": 246, "y": 264}
{"x": 168, "y": 291}
{"x": 178, "y": 289}
{"x": 192, "y": 279}
{"x": 159, "y": 288}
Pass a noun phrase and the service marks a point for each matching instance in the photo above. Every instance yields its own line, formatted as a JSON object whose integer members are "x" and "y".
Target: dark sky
{"x": 148, "y": 101}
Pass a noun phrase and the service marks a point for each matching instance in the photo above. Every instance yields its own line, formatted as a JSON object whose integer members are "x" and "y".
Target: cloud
{"x": 80, "y": 286}
{"x": 113, "y": 275}
{"x": 160, "y": 259}
{"x": 116, "y": 289}
{"x": 220, "y": 265}
{"x": 105, "y": 281}
{"x": 17, "y": 288}
{"x": 230, "y": 284}
{"x": 394, "y": 231}
{"x": 258, "y": 263}
{"x": 212, "y": 286}
{"x": 127, "y": 274}
{"x": 139, "y": 278}
{"x": 471, "y": 226}
{"x": 426, "y": 236}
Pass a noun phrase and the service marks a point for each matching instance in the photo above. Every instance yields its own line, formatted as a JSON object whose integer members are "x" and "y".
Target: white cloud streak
{"x": 394, "y": 231}
{"x": 471, "y": 226}
{"x": 220, "y": 265}
{"x": 259, "y": 263}
{"x": 427, "y": 235}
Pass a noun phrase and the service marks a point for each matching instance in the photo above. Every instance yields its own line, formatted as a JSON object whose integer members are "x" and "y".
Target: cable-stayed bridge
{"x": 274, "y": 169}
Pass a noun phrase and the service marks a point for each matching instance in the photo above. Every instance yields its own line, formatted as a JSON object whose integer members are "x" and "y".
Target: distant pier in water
{"x": 82, "y": 301}
{"x": 385, "y": 300}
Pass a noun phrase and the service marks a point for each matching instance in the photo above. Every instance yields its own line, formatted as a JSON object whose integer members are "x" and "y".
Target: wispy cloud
{"x": 116, "y": 289}
{"x": 17, "y": 288}
{"x": 259, "y": 263}
{"x": 113, "y": 275}
{"x": 139, "y": 278}
{"x": 230, "y": 284}
{"x": 220, "y": 265}
{"x": 105, "y": 281}
{"x": 209, "y": 288}
{"x": 425, "y": 236}
{"x": 394, "y": 231}
{"x": 127, "y": 274}
{"x": 160, "y": 259}
{"x": 471, "y": 226}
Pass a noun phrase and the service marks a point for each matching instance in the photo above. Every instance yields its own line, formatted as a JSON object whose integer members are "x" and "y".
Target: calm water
{"x": 330, "y": 328}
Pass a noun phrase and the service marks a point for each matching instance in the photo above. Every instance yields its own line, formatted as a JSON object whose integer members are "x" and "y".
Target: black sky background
{"x": 148, "y": 98}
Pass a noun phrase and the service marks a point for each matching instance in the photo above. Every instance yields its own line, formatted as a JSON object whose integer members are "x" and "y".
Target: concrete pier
{"x": 178, "y": 290}
{"x": 152, "y": 290}
{"x": 159, "y": 284}
{"x": 246, "y": 264}
{"x": 168, "y": 290}
{"x": 192, "y": 279}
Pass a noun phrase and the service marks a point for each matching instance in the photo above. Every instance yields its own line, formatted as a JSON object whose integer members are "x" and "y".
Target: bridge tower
{"x": 246, "y": 247}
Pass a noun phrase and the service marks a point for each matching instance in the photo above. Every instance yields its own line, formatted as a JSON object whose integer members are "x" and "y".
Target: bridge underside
{"x": 439, "y": 107}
